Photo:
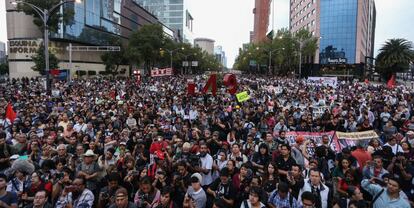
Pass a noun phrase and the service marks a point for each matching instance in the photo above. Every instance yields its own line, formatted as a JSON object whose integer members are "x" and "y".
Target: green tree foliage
{"x": 4, "y": 68}
{"x": 55, "y": 18}
{"x": 114, "y": 59}
{"x": 150, "y": 47}
{"x": 39, "y": 61}
{"x": 285, "y": 53}
{"x": 394, "y": 56}
{"x": 144, "y": 45}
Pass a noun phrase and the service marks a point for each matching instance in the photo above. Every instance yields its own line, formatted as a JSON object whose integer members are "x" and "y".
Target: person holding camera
{"x": 121, "y": 199}
{"x": 222, "y": 188}
{"x": 76, "y": 195}
{"x": 402, "y": 169}
{"x": 196, "y": 196}
{"x": 147, "y": 195}
{"x": 237, "y": 155}
{"x": 107, "y": 193}
{"x": 166, "y": 200}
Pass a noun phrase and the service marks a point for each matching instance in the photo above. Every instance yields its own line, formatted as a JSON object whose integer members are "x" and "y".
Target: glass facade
{"x": 173, "y": 13}
{"x": 100, "y": 22}
{"x": 338, "y": 29}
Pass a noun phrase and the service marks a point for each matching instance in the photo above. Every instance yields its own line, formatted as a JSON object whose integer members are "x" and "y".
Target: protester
{"x": 106, "y": 142}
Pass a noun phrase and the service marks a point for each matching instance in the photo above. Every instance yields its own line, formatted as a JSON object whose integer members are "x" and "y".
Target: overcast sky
{"x": 228, "y": 22}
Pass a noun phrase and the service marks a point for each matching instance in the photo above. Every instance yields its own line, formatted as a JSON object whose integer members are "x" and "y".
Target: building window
{"x": 313, "y": 11}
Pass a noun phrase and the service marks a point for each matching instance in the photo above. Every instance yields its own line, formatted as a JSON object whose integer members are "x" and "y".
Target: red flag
{"x": 54, "y": 72}
{"x": 366, "y": 81}
{"x": 10, "y": 114}
{"x": 391, "y": 82}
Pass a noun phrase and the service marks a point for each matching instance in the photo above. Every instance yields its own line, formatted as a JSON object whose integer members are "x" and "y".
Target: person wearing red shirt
{"x": 361, "y": 155}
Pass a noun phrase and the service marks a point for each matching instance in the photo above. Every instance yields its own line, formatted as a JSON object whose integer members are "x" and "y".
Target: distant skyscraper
{"x": 2, "y": 52}
{"x": 261, "y": 13}
{"x": 220, "y": 55}
{"x": 346, "y": 28}
{"x": 205, "y": 44}
{"x": 173, "y": 13}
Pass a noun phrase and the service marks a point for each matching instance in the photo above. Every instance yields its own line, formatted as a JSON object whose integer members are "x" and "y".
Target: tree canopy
{"x": 394, "y": 56}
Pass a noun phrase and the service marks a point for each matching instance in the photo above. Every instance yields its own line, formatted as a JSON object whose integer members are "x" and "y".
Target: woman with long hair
{"x": 343, "y": 166}
{"x": 270, "y": 177}
{"x": 374, "y": 145}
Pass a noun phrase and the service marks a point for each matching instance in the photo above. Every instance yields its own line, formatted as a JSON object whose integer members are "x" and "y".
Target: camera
{"x": 105, "y": 195}
{"x": 194, "y": 160}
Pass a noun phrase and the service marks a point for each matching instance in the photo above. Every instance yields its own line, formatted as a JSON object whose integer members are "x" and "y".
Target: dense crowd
{"x": 120, "y": 143}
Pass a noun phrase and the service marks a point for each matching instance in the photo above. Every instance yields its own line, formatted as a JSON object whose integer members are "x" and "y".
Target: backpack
{"x": 274, "y": 195}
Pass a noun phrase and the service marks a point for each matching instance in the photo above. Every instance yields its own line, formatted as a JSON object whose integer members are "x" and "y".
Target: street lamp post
{"x": 45, "y": 15}
{"x": 301, "y": 43}
{"x": 270, "y": 56}
{"x": 171, "y": 54}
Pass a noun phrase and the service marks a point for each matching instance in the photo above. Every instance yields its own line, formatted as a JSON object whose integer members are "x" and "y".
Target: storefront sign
{"x": 337, "y": 60}
{"x": 23, "y": 49}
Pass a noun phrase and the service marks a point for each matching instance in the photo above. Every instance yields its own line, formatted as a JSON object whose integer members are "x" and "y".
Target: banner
{"x": 161, "y": 72}
{"x": 316, "y": 137}
{"x": 324, "y": 81}
{"x": 243, "y": 96}
{"x": 352, "y": 139}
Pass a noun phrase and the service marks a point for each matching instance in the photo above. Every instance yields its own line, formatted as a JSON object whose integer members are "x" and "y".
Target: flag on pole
{"x": 10, "y": 114}
{"x": 391, "y": 82}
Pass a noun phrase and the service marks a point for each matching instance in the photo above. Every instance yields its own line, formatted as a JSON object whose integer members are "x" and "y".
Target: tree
{"x": 55, "y": 17}
{"x": 145, "y": 44}
{"x": 39, "y": 61}
{"x": 394, "y": 56}
{"x": 4, "y": 68}
{"x": 285, "y": 53}
{"x": 114, "y": 59}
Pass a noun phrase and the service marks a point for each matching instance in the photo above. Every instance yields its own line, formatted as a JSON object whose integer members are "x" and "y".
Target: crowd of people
{"x": 120, "y": 143}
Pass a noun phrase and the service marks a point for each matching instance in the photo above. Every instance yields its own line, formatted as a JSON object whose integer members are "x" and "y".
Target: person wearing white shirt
{"x": 80, "y": 126}
{"x": 394, "y": 146}
{"x": 206, "y": 165}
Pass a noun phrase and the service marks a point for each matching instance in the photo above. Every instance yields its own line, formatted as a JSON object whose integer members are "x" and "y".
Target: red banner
{"x": 161, "y": 72}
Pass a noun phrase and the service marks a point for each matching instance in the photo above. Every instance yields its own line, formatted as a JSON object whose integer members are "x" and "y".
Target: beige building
{"x": 206, "y": 44}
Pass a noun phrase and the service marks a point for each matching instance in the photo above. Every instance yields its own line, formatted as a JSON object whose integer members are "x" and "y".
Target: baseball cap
{"x": 196, "y": 178}
{"x": 300, "y": 139}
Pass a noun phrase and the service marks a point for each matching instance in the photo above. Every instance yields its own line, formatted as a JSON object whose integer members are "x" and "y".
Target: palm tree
{"x": 394, "y": 56}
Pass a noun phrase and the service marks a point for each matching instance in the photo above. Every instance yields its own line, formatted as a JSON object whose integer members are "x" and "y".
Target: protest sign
{"x": 315, "y": 136}
{"x": 323, "y": 81}
{"x": 353, "y": 138}
{"x": 243, "y": 96}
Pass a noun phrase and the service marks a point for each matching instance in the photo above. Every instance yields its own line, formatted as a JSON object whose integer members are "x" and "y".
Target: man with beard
{"x": 76, "y": 196}
{"x": 206, "y": 165}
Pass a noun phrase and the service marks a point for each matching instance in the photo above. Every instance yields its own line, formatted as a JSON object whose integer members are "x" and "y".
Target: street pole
{"x": 70, "y": 62}
{"x": 300, "y": 59}
{"x": 171, "y": 53}
{"x": 270, "y": 63}
{"x": 46, "y": 50}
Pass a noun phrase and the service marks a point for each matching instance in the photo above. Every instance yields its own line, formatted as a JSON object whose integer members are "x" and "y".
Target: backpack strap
{"x": 246, "y": 205}
{"x": 290, "y": 200}
{"x": 376, "y": 197}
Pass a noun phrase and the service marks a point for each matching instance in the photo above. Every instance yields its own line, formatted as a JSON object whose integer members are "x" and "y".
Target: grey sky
{"x": 228, "y": 22}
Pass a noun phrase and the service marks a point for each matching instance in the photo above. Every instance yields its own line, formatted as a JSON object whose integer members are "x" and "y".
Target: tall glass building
{"x": 95, "y": 23}
{"x": 346, "y": 28}
{"x": 173, "y": 13}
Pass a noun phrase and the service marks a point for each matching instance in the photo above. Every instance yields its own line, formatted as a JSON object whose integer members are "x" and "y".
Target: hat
{"x": 300, "y": 139}
{"x": 122, "y": 143}
{"x": 196, "y": 177}
{"x": 89, "y": 153}
{"x": 410, "y": 133}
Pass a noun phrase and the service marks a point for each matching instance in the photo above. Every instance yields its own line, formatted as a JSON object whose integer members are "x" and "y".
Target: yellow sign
{"x": 243, "y": 96}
